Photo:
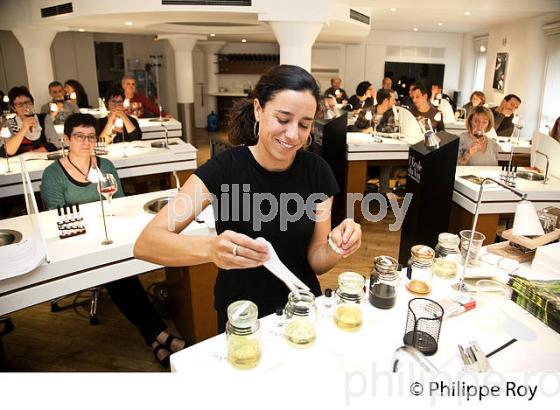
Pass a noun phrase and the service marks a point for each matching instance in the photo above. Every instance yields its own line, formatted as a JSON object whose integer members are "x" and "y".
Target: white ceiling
{"x": 426, "y": 14}
{"x": 422, "y": 14}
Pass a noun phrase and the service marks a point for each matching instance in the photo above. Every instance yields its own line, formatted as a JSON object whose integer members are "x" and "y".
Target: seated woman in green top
{"x": 65, "y": 182}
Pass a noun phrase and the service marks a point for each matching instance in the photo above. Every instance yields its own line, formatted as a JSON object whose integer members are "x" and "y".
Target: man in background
{"x": 58, "y": 108}
{"x": 337, "y": 91}
{"x": 139, "y": 105}
{"x": 504, "y": 114}
{"x": 437, "y": 94}
{"x": 423, "y": 108}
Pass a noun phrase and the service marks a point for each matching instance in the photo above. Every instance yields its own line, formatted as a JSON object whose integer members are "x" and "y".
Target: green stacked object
{"x": 539, "y": 297}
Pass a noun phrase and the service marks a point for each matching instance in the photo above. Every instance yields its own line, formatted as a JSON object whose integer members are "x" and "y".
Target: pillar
{"x": 36, "y": 46}
{"x": 296, "y": 41}
{"x": 211, "y": 48}
{"x": 182, "y": 47}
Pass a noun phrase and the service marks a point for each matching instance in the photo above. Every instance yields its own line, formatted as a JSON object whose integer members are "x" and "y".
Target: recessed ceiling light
{"x": 129, "y": 23}
{"x": 415, "y": 29}
{"x": 467, "y": 13}
{"x": 440, "y": 24}
{"x": 393, "y": 9}
{"x": 212, "y": 35}
{"x": 243, "y": 40}
{"x": 81, "y": 30}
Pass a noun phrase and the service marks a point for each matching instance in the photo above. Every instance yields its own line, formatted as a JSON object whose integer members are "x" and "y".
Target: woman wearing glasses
{"x": 65, "y": 182}
{"x": 118, "y": 126}
{"x": 29, "y": 131}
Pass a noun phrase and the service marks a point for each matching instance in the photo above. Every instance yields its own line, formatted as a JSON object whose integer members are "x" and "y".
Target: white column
{"x": 296, "y": 41}
{"x": 182, "y": 47}
{"x": 36, "y": 46}
{"x": 211, "y": 48}
{"x": 468, "y": 62}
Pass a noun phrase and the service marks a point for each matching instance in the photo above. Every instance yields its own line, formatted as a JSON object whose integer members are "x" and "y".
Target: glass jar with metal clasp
{"x": 301, "y": 317}
{"x": 349, "y": 300}
{"x": 447, "y": 255}
{"x": 243, "y": 335}
{"x": 384, "y": 282}
{"x": 420, "y": 270}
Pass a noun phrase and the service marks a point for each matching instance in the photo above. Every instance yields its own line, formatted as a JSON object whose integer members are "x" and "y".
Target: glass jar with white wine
{"x": 243, "y": 335}
{"x": 349, "y": 299}
{"x": 301, "y": 316}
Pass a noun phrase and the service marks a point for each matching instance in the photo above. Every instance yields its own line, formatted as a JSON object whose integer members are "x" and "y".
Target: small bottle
{"x": 78, "y": 215}
{"x": 243, "y": 335}
{"x": 71, "y": 217}
{"x": 60, "y": 221}
{"x": 66, "y": 218}
{"x": 301, "y": 316}
{"x": 348, "y": 298}
{"x": 279, "y": 318}
{"x": 328, "y": 298}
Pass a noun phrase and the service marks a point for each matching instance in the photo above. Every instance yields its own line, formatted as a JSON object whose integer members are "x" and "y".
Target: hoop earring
{"x": 256, "y": 130}
{"x": 309, "y": 143}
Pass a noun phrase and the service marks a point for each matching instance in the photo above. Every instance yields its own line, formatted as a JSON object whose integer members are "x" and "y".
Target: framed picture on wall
{"x": 500, "y": 72}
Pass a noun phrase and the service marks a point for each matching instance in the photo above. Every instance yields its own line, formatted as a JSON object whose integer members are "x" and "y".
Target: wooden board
{"x": 507, "y": 251}
{"x": 532, "y": 243}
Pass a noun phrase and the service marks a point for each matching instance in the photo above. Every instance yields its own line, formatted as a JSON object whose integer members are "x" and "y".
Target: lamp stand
{"x": 460, "y": 285}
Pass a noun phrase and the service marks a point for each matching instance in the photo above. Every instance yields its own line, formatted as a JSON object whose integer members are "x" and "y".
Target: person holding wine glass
{"x": 76, "y": 93}
{"x": 118, "y": 126}
{"x": 29, "y": 131}
{"x": 475, "y": 148}
{"x": 65, "y": 182}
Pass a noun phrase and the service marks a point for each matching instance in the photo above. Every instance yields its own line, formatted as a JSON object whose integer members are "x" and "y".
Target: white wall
{"x": 526, "y": 45}
{"x": 73, "y": 57}
{"x": 12, "y": 62}
{"x": 142, "y": 46}
{"x": 377, "y": 54}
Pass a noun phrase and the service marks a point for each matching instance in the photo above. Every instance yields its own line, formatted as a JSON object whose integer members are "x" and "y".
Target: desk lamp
{"x": 525, "y": 222}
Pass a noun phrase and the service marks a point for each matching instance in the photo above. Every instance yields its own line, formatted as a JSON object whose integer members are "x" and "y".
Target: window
{"x": 480, "y": 45}
{"x": 550, "y": 109}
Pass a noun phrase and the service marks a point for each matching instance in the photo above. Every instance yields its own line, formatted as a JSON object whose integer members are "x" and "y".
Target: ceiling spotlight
{"x": 440, "y": 24}
{"x": 212, "y": 35}
{"x": 81, "y": 30}
{"x": 129, "y": 23}
{"x": 467, "y": 13}
{"x": 243, "y": 40}
{"x": 415, "y": 29}
{"x": 393, "y": 9}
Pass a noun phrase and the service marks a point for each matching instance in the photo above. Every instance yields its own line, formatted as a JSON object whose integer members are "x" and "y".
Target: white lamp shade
{"x": 526, "y": 221}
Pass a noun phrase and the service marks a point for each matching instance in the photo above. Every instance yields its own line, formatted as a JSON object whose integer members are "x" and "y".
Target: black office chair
{"x": 7, "y": 325}
{"x": 55, "y": 307}
{"x": 218, "y": 146}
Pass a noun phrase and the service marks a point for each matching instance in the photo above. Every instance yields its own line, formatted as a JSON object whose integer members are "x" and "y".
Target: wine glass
{"x": 107, "y": 186}
{"x": 5, "y": 134}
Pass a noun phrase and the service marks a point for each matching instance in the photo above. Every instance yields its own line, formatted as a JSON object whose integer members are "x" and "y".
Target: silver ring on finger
{"x": 234, "y": 250}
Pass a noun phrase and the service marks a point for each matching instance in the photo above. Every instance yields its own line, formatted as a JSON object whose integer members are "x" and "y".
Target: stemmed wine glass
{"x": 107, "y": 186}
{"x": 5, "y": 134}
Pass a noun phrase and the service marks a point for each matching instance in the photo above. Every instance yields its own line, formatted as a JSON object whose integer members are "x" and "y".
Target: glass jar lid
{"x": 300, "y": 302}
{"x": 242, "y": 314}
{"x": 422, "y": 253}
{"x": 385, "y": 264}
{"x": 351, "y": 282}
{"x": 448, "y": 240}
